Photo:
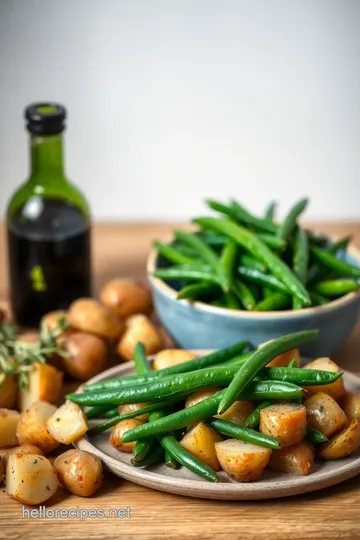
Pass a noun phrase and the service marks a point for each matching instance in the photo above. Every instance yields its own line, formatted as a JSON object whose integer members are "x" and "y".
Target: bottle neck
{"x": 46, "y": 159}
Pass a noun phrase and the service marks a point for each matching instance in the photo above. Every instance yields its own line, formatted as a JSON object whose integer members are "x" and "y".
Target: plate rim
{"x": 285, "y": 487}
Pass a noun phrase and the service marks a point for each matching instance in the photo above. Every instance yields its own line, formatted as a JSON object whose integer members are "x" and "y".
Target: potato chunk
{"x": 8, "y": 392}
{"x": 205, "y": 393}
{"x": 283, "y": 359}
{"x": 8, "y": 425}
{"x": 127, "y": 297}
{"x": 242, "y": 461}
{"x": 32, "y": 429}
{"x": 67, "y": 424}
{"x": 45, "y": 383}
{"x": 284, "y": 421}
{"x": 118, "y": 431}
{"x": 25, "y": 449}
{"x": 336, "y": 389}
{"x": 343, "y": 444}
{"x": 171, "y": 357}
{"x": 30, "y": 478}
{"x": 237, "y": 412}
{"x": 324, "y": 414}
{"x": 131, "y": 407}
{"x": 298, "y": 459}
{"x": 139, "y": 328}
{"x": 80, "y": 472}
{"x": 200, "y": 442}
{"x": 351, "y": 405}
{"x": 88, "y": 315}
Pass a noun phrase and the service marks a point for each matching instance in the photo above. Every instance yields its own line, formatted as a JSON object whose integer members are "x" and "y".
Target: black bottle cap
{"x": 45, "y": 118}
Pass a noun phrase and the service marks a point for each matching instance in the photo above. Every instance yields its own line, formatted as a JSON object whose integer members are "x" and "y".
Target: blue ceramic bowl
{"x": 200, "y": 326}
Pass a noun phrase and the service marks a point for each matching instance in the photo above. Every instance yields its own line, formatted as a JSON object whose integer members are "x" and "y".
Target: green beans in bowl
{"x": 238, "y": 276}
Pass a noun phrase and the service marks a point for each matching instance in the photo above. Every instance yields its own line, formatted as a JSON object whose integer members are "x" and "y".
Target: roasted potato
{"x": 67, "y": 424}
{"x": 298, "y": 459}
{"x": 242, "y": 461}
{"x": 2, "y": 471}
{"x": 351, "y": 405}
{"x": 128, "y": 408}
{"x": 8, "y": 425}
{"x": 51, "y": 320}
{"x": 31, "y": 338}
{"x": 118, "y": 431}
{"x": 285, "y": 358}
{"x": 30, "y": 478}
{"x": 237, "y": 412}
{"x": 87, "y": 315}
{"x": 79, "y": 472}
{"x": 198, "y": 396}
{"x": 284, "y": 421}
{"x": 127, "y": 297}
{"x": 343, "y": 444}
{"x": 139, "y": 328}
{"x": 171, "y": 357}
{"x": 32, "y": 429}
{"x": 336, "y": 389}
{"x": 200, "y": 442}
{"x": 45, "y": 384}
{"x": 8, "y": 392}
{"x": 324, "y": 414}
{"x": 87, "y": 355}
{"x": 25, "y": 449}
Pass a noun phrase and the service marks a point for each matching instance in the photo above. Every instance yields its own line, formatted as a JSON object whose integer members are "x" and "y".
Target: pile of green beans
{"x": 244, "y": 262}
{"x": 241, "y": 378}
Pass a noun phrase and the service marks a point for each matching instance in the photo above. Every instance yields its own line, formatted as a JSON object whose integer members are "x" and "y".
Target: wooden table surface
{"x": 120, "y": 250}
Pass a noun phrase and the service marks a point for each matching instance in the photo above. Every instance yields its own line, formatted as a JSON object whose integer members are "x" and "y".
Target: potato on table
{"x": 298, "y": 459}
{"x": 139, "y": 328}
{"x": 88, "y": 315}
{"x": 44, "y": 384}
{"x": 25, "y": 449}
{"x": 200, "y": 395}
{"x": 118, "y": 431}
{"x": 237, "y": 412}
{"x": 87, "y": 355}
{"x": 336, "y": 389}
{"x": 200, "y": 442}
{"x": 131, "y": 407}
{"x": 32, "y": 426}
{"x": 171, "y": 357}
{"x": 324, "y": 414}
{"x": 127, "y": 297}
{"x": 79, "y": 472}
{"x": 30, "y": 478}
{"x": 9, "y": 421}
{"x": 343, "y": 444}
{"x": 284, "y": 421}
{"x": 8, "y": 392}
{"x": 67, "y": 424}
{"x": 351, "y": 405}
{"x": 245, "y": 462}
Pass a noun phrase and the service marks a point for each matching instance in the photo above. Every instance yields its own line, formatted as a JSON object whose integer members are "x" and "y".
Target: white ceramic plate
{"x": 184, "y": 482}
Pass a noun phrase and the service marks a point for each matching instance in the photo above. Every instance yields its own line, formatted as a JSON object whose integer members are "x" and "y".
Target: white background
{"x": 171, "y": 101}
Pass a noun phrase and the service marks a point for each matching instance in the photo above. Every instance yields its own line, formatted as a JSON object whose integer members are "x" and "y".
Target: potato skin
{"x": 127, "y": 408}
{"x": 87, "y": 355}
{"x": 9, "y": 421}
{"x": 298, "y": 459}
{"x": 30, "y": 478}
{"x": 118, "y": 431}
{"x": 31, "y": 428}
{"x": 200, "y": 442}
{"x": 200, "y": 395}
{"x": 244, "y": 462}
{"x": 24, "y": 449}
{"x": 8, "y": 392}
{"x": 284, "y": 421}
{"x": 171, "y": 357}
{"x": 324, "y": 414}
{"x": 351, "y": 405}
{"x": 238, "y": 412}
{"x": 139, "y": 328}
{"x": 79, "y": 472}
{"x": 88, "y": 315}
{"x": 343, "y": 444}
{"x": 336, "y": 389}
{"x": 127, "y": 297}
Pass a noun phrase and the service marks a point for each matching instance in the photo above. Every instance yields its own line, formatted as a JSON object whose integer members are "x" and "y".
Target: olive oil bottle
{"x": 48, "y": 226}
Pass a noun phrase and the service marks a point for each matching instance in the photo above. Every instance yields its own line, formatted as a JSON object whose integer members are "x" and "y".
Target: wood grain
{"x": 121, "y": 250}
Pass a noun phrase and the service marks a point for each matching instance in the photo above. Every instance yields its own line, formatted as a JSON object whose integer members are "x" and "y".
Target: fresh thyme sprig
{"x": 17, "y": 357}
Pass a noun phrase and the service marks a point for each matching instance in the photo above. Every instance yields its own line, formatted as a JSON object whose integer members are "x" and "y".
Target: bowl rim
{"x": 172, "y": 293}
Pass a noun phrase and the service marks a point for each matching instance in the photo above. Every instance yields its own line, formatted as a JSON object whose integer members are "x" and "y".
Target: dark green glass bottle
{"x": 48, "y": 226}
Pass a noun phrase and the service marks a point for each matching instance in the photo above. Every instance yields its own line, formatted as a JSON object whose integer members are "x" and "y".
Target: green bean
{"x": 315, "y": 436}
{"x": 340, "y": 245}
{"x": 292, "y": 363}
{"x": 214, "y": 240}
{"x": 245, "y": 295}
{"x": 142, "y": 448}
{"x": 253, "y": 420}
{"x": 301, "y": 377}
{"x": 267, "y": 292}
{"x": 244, "y": 216}
{"x": 232, "y": 300}
{"x": 300, "y": 260}
{"x": 259, "y": 359}
{"x": 336, "y": 287}
{"x": 251, "y": 243}
{"x": 228, "y": 259}
{"x": 331, "y": 262}
{"x": 100, "y": 411}
{"x": 221, "y": 208}
{"x": 243, "y": 433}
{"x": 173, "y": 254}
{"x": 250, "y": 262}
{"x": 272, "y": 241}
{"x": 254, "y": 276}
{"x": 170, "y": 461}
{"x": 273, "y": 303}
{"x": 289, "y": 223}
{"x": 317, "y": 299}
{"x": 208, "y": 360}
{"x": 140, "y": 360}
{"x": 196, "y": 291}
{"x": 207, "y": 408}
{"x": 152, "y": 458}
{"x": 186, "y": 274}
{"x": 270, "y": 211}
